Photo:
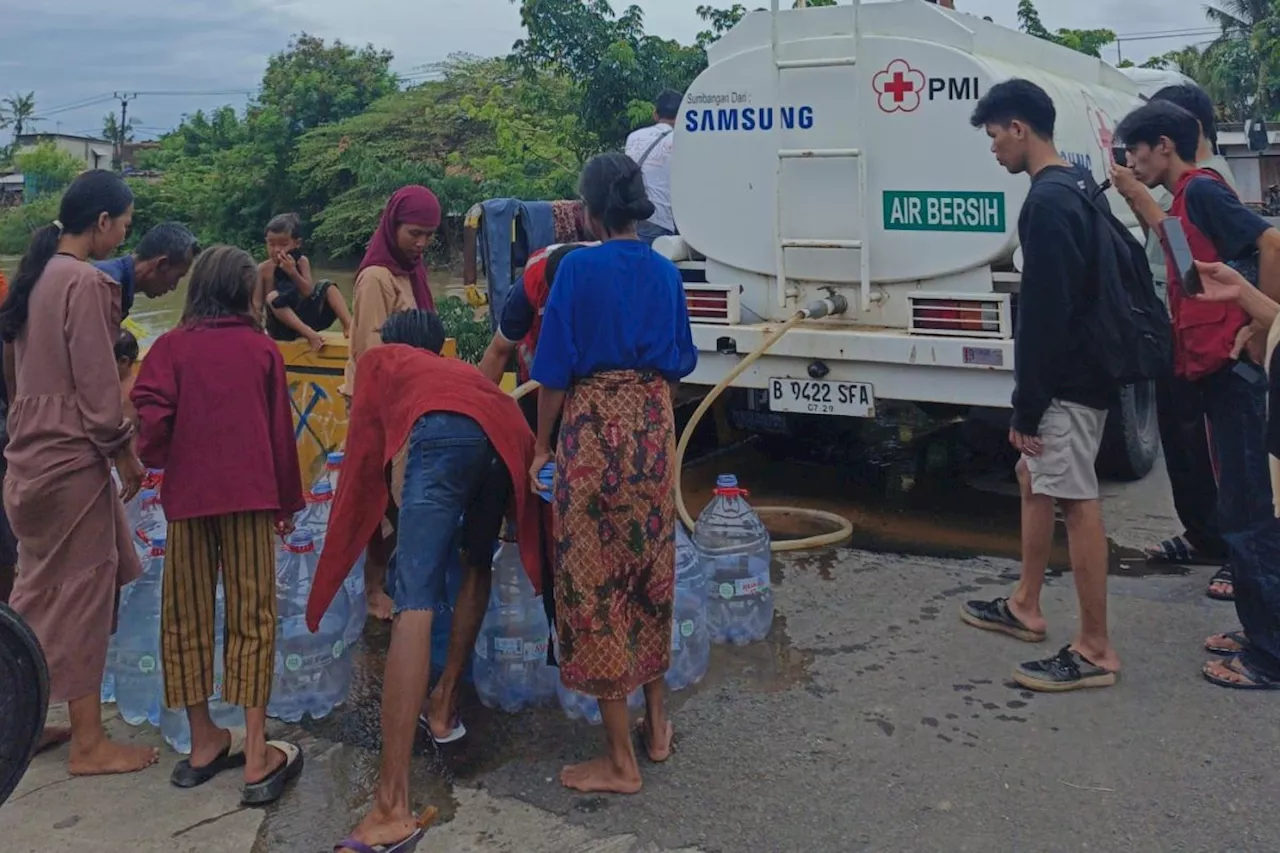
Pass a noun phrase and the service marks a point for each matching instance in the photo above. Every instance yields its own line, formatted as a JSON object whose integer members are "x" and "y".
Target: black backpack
{"x": 1126, "y": 330}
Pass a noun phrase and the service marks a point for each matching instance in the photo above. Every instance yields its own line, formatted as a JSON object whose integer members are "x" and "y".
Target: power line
{"x": 1181, "y": 31}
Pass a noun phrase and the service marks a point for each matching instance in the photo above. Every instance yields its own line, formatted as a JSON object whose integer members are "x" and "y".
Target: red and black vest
{"x": 1203, "y": 332}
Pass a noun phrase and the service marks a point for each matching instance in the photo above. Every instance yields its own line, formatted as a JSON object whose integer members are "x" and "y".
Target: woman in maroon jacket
{"x": 213, "y": 406}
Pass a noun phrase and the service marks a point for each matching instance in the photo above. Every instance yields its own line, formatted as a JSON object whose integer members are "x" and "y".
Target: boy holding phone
{"x": 1161, "y": 139}
{"x": 1179, "y": 409}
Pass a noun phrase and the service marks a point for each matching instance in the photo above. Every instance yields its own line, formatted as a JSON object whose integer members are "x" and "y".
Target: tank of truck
{"x": 936, "y": 209}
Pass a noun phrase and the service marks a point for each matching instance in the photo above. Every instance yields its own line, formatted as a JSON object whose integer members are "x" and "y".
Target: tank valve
{"x": 833, "y": 304}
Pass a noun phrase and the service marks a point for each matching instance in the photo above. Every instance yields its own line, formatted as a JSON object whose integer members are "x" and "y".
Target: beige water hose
{"x": 843, "y": 527}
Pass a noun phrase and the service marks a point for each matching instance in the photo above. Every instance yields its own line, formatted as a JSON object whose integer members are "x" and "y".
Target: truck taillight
{"x": 987, "y": 316}
{"x": 712, "y": 303}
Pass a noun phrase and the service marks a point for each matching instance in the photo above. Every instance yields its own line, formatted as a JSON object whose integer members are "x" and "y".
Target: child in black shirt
{"x": 297, "y": 306}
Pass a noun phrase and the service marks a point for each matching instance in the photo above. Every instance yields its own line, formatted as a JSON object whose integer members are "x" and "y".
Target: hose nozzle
{"x": 818, "y": 308}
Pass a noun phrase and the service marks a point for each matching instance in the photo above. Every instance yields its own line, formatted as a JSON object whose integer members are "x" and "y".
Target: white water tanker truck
{"x": 828, "y": 152}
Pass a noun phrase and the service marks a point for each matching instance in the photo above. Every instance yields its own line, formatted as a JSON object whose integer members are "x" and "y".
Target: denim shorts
{"x": 452, "y": 473}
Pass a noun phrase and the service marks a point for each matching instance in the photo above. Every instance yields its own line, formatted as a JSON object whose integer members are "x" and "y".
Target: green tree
{"x": 49, "y": 166}
{"x": 111, "y": 128}
{"x": 312, "y": 83}
{"x": 19, "y": 112}
{"x": 485, "y": 128}
{"x": 1089, "y": 42}
{"x": 617, "y": 67}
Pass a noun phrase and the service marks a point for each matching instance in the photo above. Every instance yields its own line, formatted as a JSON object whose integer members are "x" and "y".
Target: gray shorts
{"x": 1072, "y": 435}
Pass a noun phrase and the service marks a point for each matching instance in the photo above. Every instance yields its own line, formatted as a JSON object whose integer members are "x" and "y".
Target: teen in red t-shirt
{"x": 1162, "y": 139}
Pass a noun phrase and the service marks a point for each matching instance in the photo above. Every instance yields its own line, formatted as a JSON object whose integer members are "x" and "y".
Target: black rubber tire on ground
{"x": 24, "y": 698}
{"x": 1131, "y": 442}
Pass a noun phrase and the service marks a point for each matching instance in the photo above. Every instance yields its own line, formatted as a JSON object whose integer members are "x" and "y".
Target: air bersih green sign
{"x": 910, "y": 210}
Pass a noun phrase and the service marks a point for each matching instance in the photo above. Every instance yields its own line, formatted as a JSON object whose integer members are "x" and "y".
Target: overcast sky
{"x": 72, "y": 51}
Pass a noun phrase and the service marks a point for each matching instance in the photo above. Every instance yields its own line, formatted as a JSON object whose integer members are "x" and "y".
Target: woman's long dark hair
{"x": 613, "y": 188}
{"x": 221, "y": 285}
{"x": 89, "y": 196}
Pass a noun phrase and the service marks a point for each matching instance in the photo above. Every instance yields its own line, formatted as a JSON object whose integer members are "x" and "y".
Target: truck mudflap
{"x": 958, "y": 371}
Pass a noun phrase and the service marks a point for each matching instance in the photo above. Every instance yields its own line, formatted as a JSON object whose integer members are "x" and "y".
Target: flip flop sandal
{"x": 186, "y": 776}
{"x": 1236, "y": 663}
{"x": 1236, "y": 637}
{"x": 406, "y": 846}
{"x": 270, "y": 789}
{"x": 1177, "y": 551}
{"x": 1222, "y": 575}
{"x": 996, "y": 616}
{"x": 458, "y": 732}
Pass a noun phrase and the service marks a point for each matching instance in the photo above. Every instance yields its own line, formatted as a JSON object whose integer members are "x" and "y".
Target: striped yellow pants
{"x": 243, "y": 545}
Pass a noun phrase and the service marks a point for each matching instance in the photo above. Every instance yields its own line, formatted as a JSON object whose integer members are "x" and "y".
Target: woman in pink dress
{"x": 66, "y": 429}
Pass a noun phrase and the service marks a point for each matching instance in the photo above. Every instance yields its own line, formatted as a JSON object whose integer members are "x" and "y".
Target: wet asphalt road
{"x": 871, "y": 719}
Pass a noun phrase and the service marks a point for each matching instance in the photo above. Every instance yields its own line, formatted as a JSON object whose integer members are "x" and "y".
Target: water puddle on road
{"x": 946, "y": 517}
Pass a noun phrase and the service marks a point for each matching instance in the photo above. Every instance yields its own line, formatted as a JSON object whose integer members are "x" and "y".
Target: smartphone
{"x": 1178, "y": 250}
{"x": 1120, "y": 155}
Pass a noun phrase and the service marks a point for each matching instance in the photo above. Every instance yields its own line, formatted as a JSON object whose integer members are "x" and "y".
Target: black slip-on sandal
{"x": 270, "y": 788}
{"x": 1067, "y": 670}
{"x": 995, "y": 615}
{"x": 186, "y": 776}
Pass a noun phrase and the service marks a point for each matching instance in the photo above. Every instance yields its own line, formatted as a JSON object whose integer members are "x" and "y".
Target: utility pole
{"x": 125, "y": 98}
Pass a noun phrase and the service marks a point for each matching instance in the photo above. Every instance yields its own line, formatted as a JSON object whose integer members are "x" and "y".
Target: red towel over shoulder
{"x": 398, "y": 385}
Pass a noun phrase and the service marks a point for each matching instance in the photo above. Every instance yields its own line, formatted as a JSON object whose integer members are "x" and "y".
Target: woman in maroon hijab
{"x": 391, "y": 278}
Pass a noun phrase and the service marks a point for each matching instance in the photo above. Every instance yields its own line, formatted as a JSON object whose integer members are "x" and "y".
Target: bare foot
{"x": 1106, "y": 658}
{"x": 388, "y": 830}
{"x": 209, "y": 753}
{"x": 601, "y": 776}
{"x": 53, "y": 736}
{"x": 108, "y": 758}
{"x": 380, "y": 605}
{"x": 253, "y": 773}
{"x": 1033, "y": 619}
{"x": 440, "y": 715}
{"x": 657, "y": 745}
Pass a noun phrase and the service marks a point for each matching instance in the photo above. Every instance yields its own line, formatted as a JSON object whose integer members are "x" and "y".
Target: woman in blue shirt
{"x": 615, "y": 343}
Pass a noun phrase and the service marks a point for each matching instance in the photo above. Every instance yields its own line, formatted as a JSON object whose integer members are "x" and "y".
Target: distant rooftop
{"x": 35, "y": 138}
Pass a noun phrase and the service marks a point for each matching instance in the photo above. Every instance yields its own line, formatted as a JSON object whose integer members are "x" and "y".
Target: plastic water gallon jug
{"x": 579, "y": 706}
{"x": 312, "y": 671}
{"x": 734, "y": 546}
{"x": 151, "y": 523}
{"x": 690, "y": 641}
{"x": 135, "y": 667}
{"x": 510, "y": 663}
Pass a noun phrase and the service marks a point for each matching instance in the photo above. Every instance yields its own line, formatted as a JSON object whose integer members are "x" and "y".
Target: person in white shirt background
{"x": 650, "y": 147}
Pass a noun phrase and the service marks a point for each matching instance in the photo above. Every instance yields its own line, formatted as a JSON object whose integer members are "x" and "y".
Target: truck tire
{"x": 1131, "y": 442}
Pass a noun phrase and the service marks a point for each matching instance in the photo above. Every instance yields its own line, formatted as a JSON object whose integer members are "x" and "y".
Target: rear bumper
{"x": 948, "y": 370}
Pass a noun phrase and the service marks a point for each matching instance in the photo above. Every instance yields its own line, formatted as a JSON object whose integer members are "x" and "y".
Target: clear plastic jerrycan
{"x": 510, "y": 665}
{"x": 734, "y": 546}
{"x": 135, "y": 660}
{"x": 690, "y": 641}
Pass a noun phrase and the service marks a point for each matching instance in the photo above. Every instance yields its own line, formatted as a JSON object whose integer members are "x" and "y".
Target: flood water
{"x": 157, "y": 316}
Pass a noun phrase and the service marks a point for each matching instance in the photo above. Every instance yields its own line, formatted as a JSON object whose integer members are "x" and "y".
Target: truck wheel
{"x": 1131, "y": 442}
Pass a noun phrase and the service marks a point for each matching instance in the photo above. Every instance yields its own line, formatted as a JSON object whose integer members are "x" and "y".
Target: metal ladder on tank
{"x": 782, "y": 241}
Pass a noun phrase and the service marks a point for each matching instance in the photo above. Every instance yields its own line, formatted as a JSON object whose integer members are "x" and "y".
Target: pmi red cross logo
{"x": 899, "y": 87}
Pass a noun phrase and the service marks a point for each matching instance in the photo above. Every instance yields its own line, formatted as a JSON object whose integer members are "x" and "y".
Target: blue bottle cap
{"x": 727, "y": 481}
{"x": 322, "y": 488}
{"x": 158, "y": 542}
{"x": 336, "y": 458}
